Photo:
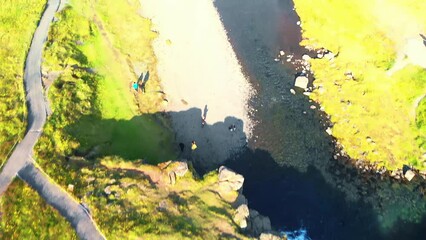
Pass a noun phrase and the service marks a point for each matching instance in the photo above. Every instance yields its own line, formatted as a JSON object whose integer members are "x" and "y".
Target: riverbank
{"x": 200, "y": 74}
{"x": 364, "y": 87}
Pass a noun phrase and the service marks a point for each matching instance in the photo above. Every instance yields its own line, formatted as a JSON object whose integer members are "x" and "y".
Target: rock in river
{"x": 301, "y": 82}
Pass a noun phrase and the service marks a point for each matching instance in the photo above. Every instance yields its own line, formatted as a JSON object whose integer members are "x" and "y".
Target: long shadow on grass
{"x": 149, "y": 137}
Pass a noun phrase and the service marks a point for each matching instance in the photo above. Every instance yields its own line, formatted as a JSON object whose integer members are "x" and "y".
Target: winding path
{"x": 21, "y": 162}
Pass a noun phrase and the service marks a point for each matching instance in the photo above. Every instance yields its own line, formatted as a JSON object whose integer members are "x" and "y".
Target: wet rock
{"x": 282, "y": 53}
{"x": 241, "y": 215}
{"x": 229, "y": 180}
{"x": 292, "y": 91}
{"x": 329, "y": 131}
{"x": 301, "y": 82}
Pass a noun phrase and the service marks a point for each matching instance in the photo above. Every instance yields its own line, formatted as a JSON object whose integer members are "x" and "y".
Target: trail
{"x": 21, "y": 162}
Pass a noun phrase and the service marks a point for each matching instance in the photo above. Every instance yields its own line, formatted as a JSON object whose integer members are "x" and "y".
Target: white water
{"x": 300, "y": 234}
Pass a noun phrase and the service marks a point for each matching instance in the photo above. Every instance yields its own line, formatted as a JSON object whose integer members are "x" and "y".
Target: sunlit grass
{"x": 373, "y": 115}
{"x": 18, "y": 20}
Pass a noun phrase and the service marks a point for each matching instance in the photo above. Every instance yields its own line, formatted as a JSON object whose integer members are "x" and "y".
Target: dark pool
{"x": 290, "y": 172}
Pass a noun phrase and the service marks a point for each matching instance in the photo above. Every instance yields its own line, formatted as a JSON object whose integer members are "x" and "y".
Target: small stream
{"x": 290, "y": 174}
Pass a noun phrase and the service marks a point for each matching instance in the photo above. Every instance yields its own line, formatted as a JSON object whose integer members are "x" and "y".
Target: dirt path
{"x": 21, "y": 161}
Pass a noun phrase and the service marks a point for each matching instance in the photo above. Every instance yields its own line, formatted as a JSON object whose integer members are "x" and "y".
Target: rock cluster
{"x": 249, "y": 220}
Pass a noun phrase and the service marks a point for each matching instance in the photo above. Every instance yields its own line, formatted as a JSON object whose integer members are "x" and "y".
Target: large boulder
{"x": 241, "y": 215}
{"x": 301, "y": 82}
{"x": 258, "y": 223}
{"x": 180, "y": 168}
{"x": 229, "y": 180}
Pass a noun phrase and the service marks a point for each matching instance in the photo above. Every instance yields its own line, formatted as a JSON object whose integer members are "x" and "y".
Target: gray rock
{"x": 229, "y": 180}
{"x": 258, "y": 223}
{"x": 181, "y": 169}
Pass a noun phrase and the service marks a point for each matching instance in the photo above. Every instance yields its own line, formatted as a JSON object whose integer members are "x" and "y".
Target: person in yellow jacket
{"x": 193, "y": 146}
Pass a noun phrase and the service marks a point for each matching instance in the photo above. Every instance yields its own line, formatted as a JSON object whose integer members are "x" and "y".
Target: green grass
{"x": 375, "y": 106}
{"x": 98, "y": 111}
{"x": 18, "y": 20}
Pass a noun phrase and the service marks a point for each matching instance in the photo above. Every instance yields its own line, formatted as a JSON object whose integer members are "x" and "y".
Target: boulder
{"x": 241, "y": 215}
{"x": 229, "y": 180}
{"x": 258, "y": 223}
{"x": 270, "y": 236}
{"x": 70, "y": 187}
{"x": 240, "y": 200}
{"x": 301, "y": 82}
{"x": 409, "y": 175}
{"x": 180, "y": 168}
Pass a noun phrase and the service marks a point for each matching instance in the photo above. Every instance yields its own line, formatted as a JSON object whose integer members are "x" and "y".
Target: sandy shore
{"x": 199, "y": 70}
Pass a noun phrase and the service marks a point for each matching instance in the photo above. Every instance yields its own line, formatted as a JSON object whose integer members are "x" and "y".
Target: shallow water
{"x": 290, "y": 172}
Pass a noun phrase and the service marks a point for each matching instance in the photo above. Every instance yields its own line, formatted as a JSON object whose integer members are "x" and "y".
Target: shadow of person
{"x": 205, "y": 112}
{"x": 424, "y": 38}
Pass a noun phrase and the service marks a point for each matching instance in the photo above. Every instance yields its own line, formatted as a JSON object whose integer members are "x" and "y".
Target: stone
{"x": 269, "y": 236}
{"x": 282, "y": 53}
{"x": 258, "y": 223}
{"x": 107, "y": 190}
{"x": 330, "y": 56}
{"x": 241, "y": 199}
{"x": 320, "y": 55}
{"x": 180, "y": 168}
{"x": 298, "y": 23}
{"x": 172, "y": 178}
{"x": 329, "y": 131}
{"x": 229, "y": 180}
{"x": 301, "y": 82}
{"x": 292, "y": 91}
{"x": 70, "y": 187}
{"x": 409, "y": 175}
{"x": 306, "y": 57}
{"x": 241, "y": 215}
{"x": 312, "y": 107}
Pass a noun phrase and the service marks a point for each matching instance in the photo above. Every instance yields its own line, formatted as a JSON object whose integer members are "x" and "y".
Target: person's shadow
{"x": 424, "y": 38}
{"x": 205, "y": 112}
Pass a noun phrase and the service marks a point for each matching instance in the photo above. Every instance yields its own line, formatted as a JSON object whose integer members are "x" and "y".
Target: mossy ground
{"x": 372, "y": 114}
{"x": 95, "y": 46}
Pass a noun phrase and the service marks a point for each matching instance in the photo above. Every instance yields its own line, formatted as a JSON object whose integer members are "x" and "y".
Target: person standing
{"x": 193, "y": 145}
{"x": 135, "y": 86}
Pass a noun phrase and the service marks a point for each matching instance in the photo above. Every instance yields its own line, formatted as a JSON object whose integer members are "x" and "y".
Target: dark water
{"x": 290, "y": 172}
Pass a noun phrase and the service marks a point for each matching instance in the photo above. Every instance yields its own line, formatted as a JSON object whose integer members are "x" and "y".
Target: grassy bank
{"x": 100, "y": 133}
{"x": 18, "y": 20}
{"x": 373, "y": 114}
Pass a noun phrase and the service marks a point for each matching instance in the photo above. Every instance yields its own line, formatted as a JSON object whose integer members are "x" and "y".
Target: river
{"x": 289, "y": 169}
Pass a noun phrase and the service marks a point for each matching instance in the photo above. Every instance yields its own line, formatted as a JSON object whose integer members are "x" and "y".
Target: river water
{"x": 290, "y": 173}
